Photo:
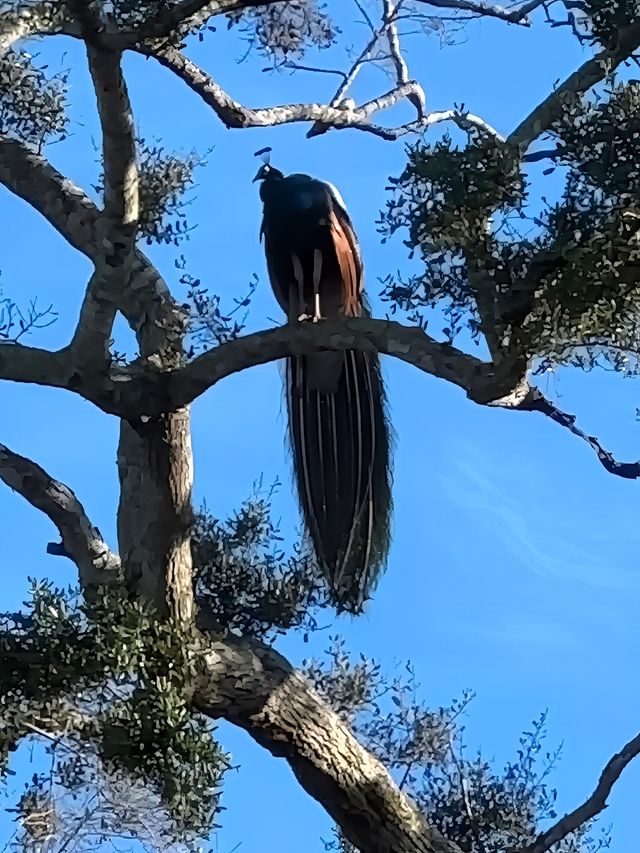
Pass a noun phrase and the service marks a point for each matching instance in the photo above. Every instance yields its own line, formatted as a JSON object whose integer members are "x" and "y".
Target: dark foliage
{"x": 286, "y": 30}
{"x": 246, "y": 579}
{"x": 32, "y": 103}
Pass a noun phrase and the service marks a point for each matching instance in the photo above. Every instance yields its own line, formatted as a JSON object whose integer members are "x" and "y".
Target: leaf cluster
{"x": 121, "y": 677}
{"x": 246, "y": 578}
{"x": 471, "y": 801}
{"x": 285, "y": 30}
{"x": 32, "y": 103}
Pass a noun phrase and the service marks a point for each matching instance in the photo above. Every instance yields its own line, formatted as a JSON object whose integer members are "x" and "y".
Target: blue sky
{"x": 513, "y": 569}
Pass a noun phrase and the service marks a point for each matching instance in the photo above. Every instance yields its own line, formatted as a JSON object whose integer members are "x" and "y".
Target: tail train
{"x": 340, "y": 442}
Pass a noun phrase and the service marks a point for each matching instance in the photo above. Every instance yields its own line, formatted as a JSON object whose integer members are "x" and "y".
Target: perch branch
{"x": 149, "y": 393}
{"x": 484, "y": 383}
{"x": 596, "y": 803}
{"x": 81, "y": 541}
{"x": 145, "y": 391}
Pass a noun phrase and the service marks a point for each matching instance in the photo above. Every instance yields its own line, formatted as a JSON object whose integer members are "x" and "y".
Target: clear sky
{"x": 513, "y": 569}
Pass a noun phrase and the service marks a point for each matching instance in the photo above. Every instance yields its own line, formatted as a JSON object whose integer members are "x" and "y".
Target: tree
{"x": 129, "y": 673}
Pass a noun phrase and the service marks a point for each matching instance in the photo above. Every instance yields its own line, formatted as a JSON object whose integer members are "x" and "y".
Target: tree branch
{"x": 257, "y": 689}
{"x": 121, "y": 196}
{"x": 118, "y": 138}
{"x": 36, "y": 366}
{"x": 388, "y": 29}
{"x": 235, "y": 115}
{"x": 535, "y": 401}
{"x": 146, "y": 391}
{"x": 516, "y": 15}
{"x": 63, "y": 204}
{"x": 150, "y": 393}
{"x": 590, "y": 73}
{"x": 81, "y": 541}
{"x": 596, "y": 803}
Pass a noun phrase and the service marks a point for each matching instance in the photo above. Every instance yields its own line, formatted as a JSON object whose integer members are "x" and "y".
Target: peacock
{"x": 336, "y": 403}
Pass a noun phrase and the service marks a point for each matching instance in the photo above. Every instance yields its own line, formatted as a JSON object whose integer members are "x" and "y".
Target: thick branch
{"x": 590, "y": 73}
{"x": 64, "y": 205}
{"x": 150, "y": 394}
{"x": 36, "y": 366}
{"x": 118, "y": 138}
{"x": 596, "y": 803}
{"x": 81, "y": 541}
{"x": 121, "y": 196}
{"x": 254, "y": 687}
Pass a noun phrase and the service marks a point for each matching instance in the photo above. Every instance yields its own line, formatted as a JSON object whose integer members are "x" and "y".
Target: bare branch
{"x": 515, "y": 15}
{"x": 590, "y": 73}
{"x": 255, "y": 688}
{"x": 81, "y": 541}
{"x": 32, "y": 365}
{"x": 65, "y": 206}
{"x": 534, "y": 401}
{"x": 389, "y": 19}
{"x": 118, "y": 138}
{"x": 235, "y": 115}
{"x": 596, "y": 803}
{"x": 388, "y": 28}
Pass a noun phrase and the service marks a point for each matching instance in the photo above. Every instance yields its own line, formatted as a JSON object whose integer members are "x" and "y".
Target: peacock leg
{"x": 299, "y": 276}
{"x": 317, "y": 274}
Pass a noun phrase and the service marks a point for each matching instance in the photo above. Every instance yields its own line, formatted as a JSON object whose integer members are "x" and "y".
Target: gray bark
{"x": 155, "y": 467}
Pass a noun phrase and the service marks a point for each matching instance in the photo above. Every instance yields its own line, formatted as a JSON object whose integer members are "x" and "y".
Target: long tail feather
{"x": 340, "y": 441}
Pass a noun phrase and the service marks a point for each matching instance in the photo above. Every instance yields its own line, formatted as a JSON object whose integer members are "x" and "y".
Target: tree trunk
{"x": 155, "y": 515}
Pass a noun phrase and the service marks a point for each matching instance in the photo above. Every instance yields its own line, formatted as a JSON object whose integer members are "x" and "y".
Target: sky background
{"x": 513, "y": 568}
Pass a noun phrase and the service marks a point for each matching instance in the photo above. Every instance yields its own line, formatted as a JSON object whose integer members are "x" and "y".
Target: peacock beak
{"x": 258, "y": 177}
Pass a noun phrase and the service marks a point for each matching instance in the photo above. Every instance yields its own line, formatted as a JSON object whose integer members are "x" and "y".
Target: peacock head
{"x": 266, "y": 171}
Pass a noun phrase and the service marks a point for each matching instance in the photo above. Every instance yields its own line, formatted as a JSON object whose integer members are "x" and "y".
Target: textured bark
{"x": 82, "y": 542}
{"x": 254, "y": 687}
{"x": 155, "y": 467}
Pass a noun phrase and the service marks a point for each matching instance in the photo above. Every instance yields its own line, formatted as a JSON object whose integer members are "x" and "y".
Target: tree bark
{"x": 155, "y": 468}
{"x": 254, "y": 687}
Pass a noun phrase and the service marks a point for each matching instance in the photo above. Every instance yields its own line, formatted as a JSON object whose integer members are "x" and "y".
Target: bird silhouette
{"x": 336, "y": 401}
